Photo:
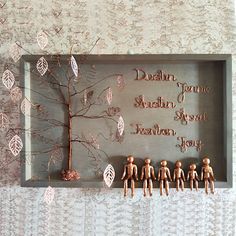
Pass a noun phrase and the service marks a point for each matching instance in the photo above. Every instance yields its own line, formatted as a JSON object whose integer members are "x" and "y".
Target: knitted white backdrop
{"x": 148, "y": 26}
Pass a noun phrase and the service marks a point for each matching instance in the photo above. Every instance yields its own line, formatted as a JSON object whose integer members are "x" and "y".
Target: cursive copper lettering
{"x": 158, "y": 76}
{"x": 155, "y": 130}
{"x": 184, "y": 118}
{"x": 190, "y": 89}
{"x": 159, "y": 103}
{"x": 185, "y": 144}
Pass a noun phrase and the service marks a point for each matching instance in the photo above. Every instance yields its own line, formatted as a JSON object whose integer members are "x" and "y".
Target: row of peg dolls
{"x": 130, "y": 174}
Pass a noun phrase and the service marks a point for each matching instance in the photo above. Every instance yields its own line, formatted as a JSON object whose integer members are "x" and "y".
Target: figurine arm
{"x": 153, "y": 173}
{"x": 212, "y": 175}
{"x": 124, "y": 173}
{"x": 136, "y": 172}
{"x": 142, "y": 174}
{"x": 202, "y": 173}
{"x": 183, "y": 176}
{"x": 174, "y": 175}
{"x": 196, "y": 175}
{"x": 188, "y": 175}
{"x": 168, "y": 174}
{"x": 159, "y": 174}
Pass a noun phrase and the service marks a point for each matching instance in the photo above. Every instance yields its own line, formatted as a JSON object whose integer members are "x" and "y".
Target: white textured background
{"x": 147, "y": 26}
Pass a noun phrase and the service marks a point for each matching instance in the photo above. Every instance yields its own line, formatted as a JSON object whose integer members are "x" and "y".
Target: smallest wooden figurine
{"x": 164, "y": 177}
{"x": 207, "y": 175}
{"x": 147, "y": 176}
{"x": 179, "y": 176}
{"x": 193, "y": 176}
{"x": 130, "y": 174}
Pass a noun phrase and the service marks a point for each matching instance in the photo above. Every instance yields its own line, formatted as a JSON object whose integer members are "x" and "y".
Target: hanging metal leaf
{"x": 15, "y": 52}
{"x": 74, "y": 66}
{"x": 4, "y": 122}
{"x": 109, "y": 175}
{"x": 8, "y": 79}
{"x": 120, "y": 125}
{"x": 15, "y": 145}
{"x": 49, "y": 195}
{"x": 16, "y": 94}
{"x": 109, "y": 96}
{"x": 42, "y": 39}
{"x": 25, "y": 106}
{"x": 42, "y": 66}
{"x": 120, "y": 81}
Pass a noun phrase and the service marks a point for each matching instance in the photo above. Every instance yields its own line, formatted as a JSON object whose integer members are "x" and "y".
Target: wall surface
{"x": 148, "y": 26}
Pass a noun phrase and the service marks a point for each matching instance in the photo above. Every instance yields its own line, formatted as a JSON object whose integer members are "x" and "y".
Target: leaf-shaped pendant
{"x": 8, "y": 79}
{"x": 4, "y": 122}
{"x": 15, "y": 52}
{"x": 15, "y": 145}
{"x": 74, "y": 66}
{"x": 42, "y": 66}
{"x": 49, "y": 195}
{"x": 25, "y": 107}
{"x": 109, "y": 96}
{"x": 120, "y": 125}
{"x": 16, "y": 94}
{"x": 42, "y": 39}
{"x": 109, "y": 175}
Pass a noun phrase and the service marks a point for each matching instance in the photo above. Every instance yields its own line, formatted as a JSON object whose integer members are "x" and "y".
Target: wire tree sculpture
{"x": 62, "y": 75}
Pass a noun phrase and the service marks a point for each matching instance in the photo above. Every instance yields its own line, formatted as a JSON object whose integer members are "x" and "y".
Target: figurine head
{"x": 206, "y": 160}
{"x": 130, "y": 159}
{"x": 163, "y": 163}
{"x": 147, "y": 161}
{"x": 192, "y": 167}
{"x": 178, "y": 164}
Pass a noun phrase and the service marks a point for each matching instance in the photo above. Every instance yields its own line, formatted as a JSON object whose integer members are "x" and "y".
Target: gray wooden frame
{"x": 227, "y": 108}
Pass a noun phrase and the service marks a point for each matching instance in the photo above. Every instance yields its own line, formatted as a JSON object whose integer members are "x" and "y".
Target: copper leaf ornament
{"x": 42, "y": 66}
{"x": 4, "y": 122}
{"x": 74, "y": 66}
{"x": 109, "y": 175}
{"x": 16, "y": 94}
{"x": 120, "y": 125}
{"x": 15, "y": 145}
{"x": 8, "y": 79}
{"x": 15, "y": 52}
{"x": 42, "y": 39}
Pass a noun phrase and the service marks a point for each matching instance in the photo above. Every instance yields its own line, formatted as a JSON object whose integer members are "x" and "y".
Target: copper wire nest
{"x": 68, "y": 175}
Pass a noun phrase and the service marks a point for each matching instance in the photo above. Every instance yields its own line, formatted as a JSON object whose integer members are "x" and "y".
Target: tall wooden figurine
{"x": 193, "y": 176}
{"x": 164, "y": 177}
{"x": 130, "y": 174}
{"x": 147, "y": 176}
{"x": 207, "y": 175}
{"x": 179, "y": 176}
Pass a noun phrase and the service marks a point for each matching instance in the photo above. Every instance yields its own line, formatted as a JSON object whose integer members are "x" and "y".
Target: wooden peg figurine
{"x": 207, "y": 175}
{"x": 164, "y": 177}
{"x": 193, "y": 176}
{"x": 147, "y": 176}
{"x": 179, "y": 176}
{"x": 130, "y": 174}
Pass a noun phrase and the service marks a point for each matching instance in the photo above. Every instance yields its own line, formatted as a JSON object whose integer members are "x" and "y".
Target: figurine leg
{"x": 206, "y": 186}
{"x": 182, "y": 184}
{"x": 132, "y": 187}
{"x": 125, "y": 187}
{"x": 177, "y": 184}
{"x": 167, "y": 187}
{"x": 161, "y": 187}
{"x": 191, "y": 184}
{"x": 212, "y": 186}
{"x": 145, "y": 188}
{"x": 150, "y": 186}
{"x": 196, "y": 185}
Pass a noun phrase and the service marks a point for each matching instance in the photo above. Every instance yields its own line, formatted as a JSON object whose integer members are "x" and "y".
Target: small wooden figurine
{"x": 147, "y": 176}
{"x": 164, "y": 177}
{"x": 130, "y": 174}
{"x": 179, "y": 176}
{"x": 193, "y": 176}
{"x": 207, "y": 175}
